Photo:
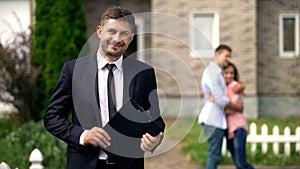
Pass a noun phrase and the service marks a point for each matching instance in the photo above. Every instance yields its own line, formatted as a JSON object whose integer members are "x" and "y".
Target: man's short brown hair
{"x": 118, "y": 12}
{"x": 223, "y": 47}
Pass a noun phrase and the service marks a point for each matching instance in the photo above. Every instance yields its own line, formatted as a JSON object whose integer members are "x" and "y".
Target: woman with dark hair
{"x": 236, "y": 121}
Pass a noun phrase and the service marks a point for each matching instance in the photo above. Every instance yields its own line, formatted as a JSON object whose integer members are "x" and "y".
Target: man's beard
{"x": 104, "y": 47}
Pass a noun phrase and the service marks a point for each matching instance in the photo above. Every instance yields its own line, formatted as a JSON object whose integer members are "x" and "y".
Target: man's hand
{"x": 97, "y": 137}
{"x": 211, "y": 99}
{"x": 149, "y": 142}
{"x": 235, "y": 107}
{"x": 239, "y": 88}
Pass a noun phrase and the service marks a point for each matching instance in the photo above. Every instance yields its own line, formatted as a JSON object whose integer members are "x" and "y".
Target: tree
{"x": 59, "y": 34}
{"x": 17, "y": 78}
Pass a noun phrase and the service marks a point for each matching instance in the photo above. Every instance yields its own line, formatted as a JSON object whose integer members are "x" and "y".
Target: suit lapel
{"x": 97, "y": 91}
{"x": 128, "y": 76}
{"x": 85, "y": 92}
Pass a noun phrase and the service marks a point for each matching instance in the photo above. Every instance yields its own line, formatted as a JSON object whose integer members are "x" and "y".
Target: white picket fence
{"x": 275, "y": 139}
{"x": 35, "y": 158}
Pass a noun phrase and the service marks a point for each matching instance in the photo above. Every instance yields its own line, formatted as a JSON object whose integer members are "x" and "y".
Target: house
{"x": 264, "y": 36}
{"x": 171, "y": 36}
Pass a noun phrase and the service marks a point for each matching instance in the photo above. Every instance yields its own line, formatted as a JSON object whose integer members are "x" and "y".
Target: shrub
{"x": 22, "y": 141}
{"x": 18, "y": 79}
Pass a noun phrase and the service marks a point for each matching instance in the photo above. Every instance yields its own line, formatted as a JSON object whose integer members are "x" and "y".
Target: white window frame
{"x": 209, "y": 53}
{"x": 283, "y": 53}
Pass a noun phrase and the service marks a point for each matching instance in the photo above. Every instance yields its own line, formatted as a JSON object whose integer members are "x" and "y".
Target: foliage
{"x": 17, "y": 77}
{"x": 7, "y": 125}
{"x": 17, "y": 145}
{"x": 198, "y": 152}
{"x": 59, "y": 34}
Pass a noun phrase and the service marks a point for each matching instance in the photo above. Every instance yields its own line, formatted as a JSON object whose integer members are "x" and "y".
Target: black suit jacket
{"x": 77, "y": 93}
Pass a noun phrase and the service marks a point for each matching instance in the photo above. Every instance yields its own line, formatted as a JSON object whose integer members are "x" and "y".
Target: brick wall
{"x": 273, "y": 70}
{"x": 237, "y": 29}
{"x": 94, "y": 9}
{"x": 250, "y": 27}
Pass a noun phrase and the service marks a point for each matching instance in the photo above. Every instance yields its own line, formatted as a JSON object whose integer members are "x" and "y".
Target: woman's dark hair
{"x": 236, "y": 73}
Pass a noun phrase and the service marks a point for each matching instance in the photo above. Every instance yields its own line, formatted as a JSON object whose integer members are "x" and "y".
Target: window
{"x": 204, "y": 34}
{"x": 288, "y": 35}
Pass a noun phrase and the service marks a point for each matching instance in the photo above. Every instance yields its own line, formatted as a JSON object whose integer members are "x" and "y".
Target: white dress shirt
{"x": 102, "y": 85}
{"x": 102, "y": 88}
{"x": 213, "y": 83}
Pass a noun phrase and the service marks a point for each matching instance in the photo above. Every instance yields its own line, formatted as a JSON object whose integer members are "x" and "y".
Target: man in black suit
{"x": 84, "y": 89}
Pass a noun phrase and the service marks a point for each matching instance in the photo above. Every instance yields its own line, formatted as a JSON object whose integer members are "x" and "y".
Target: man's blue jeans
{"x": 237, "y": 148}
{"x": 215, "y": 139}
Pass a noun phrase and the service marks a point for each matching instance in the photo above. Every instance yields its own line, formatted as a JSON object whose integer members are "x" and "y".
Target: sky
{"x": 14, "y": 17}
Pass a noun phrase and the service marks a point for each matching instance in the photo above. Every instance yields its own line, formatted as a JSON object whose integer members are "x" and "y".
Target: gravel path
{"x": 172, "y": 159}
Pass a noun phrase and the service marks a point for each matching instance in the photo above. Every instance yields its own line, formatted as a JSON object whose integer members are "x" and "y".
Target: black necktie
{"x": 111, "y": 90}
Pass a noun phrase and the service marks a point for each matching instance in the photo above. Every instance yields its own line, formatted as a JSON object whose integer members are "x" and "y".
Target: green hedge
{"x": 17, "y": 144}
{"x": 59, "y": 34}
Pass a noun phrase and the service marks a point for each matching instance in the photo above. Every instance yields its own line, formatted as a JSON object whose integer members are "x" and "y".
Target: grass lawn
{"x": 198, "y": 152}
